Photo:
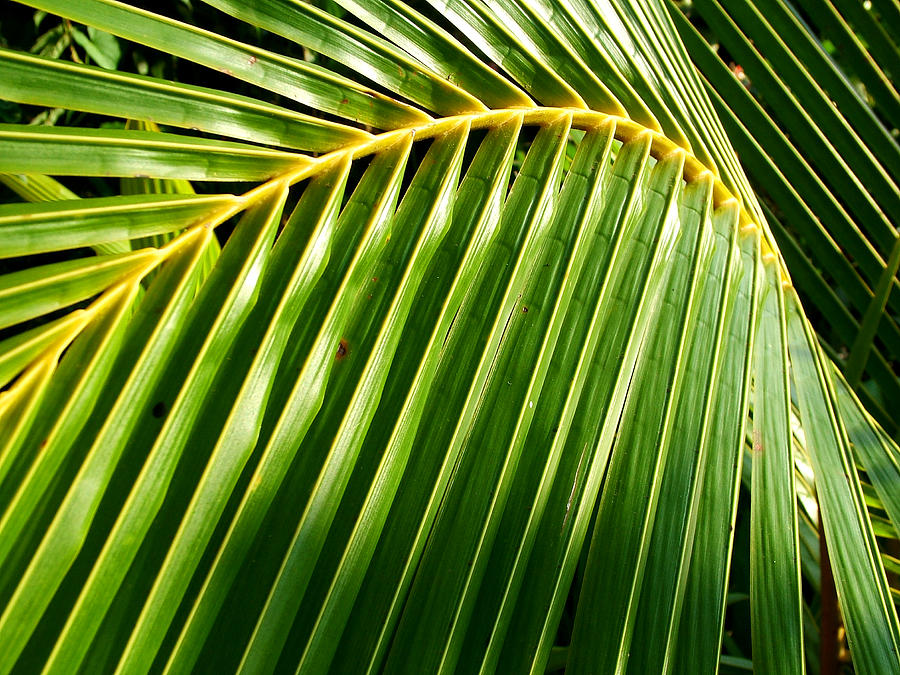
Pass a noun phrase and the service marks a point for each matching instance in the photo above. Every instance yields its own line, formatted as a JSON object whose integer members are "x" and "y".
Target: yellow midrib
{"x": 625, "y": 130}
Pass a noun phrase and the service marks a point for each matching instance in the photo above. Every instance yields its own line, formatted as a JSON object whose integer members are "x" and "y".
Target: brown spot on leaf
{"x": 342, "y": 350}
{"x": 757, "y": 442}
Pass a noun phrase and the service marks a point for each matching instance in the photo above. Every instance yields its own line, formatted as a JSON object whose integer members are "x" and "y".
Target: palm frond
{"x": 470, "y": 384}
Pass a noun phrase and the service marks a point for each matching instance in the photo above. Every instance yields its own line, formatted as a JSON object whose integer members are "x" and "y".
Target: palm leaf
{"x": 499, "y": 327}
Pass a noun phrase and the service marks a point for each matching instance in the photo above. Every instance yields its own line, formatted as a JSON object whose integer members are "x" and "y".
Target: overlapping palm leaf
{"x": 484, "y": 341}
{"x": 813, "y": 116}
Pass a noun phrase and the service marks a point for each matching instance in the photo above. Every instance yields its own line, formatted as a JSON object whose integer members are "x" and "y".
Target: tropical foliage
{"x": 385, "y": 335}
